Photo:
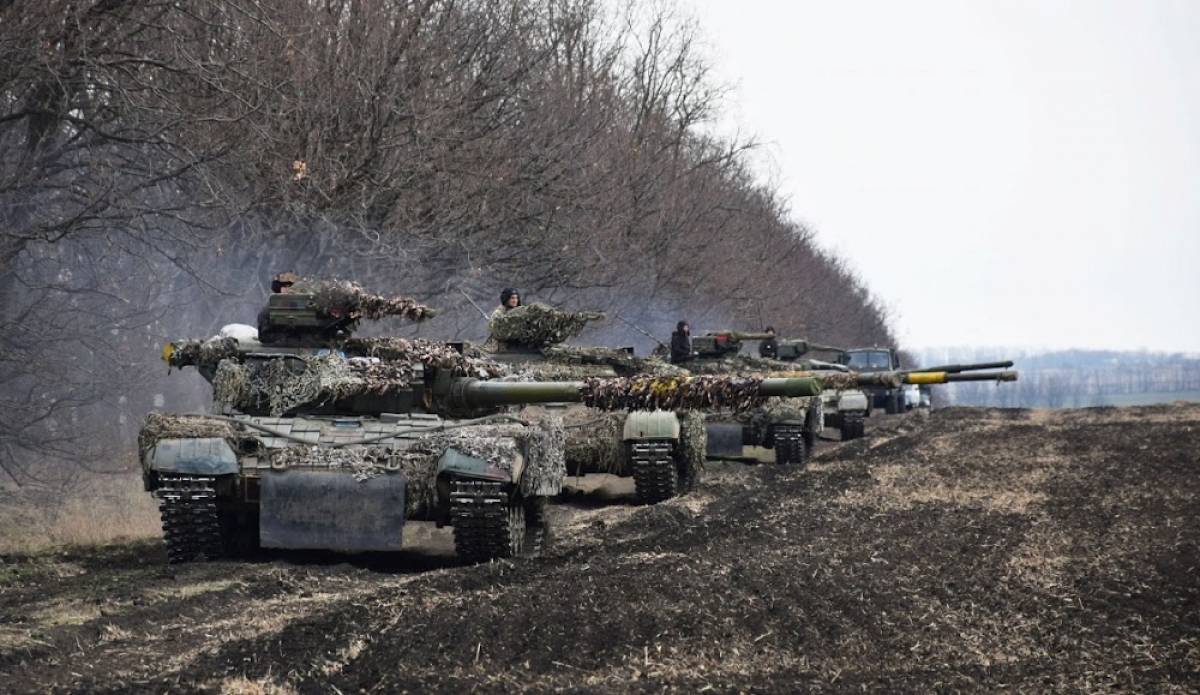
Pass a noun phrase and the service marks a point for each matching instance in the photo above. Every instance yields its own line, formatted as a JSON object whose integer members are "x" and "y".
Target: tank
{"x": 789, "y": 427}
{"x": 845, "y": 410}
{"x": 662, "y": 450}
{"x": 319, "y": 440}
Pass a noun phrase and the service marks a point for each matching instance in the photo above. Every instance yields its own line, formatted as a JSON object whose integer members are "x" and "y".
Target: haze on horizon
{"x": 1021, "y": 174}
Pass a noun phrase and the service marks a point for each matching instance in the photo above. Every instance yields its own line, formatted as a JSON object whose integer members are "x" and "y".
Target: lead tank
{"x": 319, "y": 440}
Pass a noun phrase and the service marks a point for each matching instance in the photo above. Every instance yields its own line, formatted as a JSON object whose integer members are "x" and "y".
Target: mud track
{"x": 967, "y": 549}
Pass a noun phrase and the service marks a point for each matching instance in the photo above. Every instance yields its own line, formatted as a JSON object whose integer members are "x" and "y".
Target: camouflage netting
{"x": 693, "y": 443}
{"x": 342, "y": 297}
{"x": 202, "y": 353}
{"x": 621, "y": 362}
{"x": 538, "y": 325}
{"x": 430, "y": 354}
{"x": 282, "y": 385}
{"x": 158, "y": 426}
{"x": 735, "y": 364}
{"x": 594, "y": 443}
{"x": 499, "y": 445}
{"x": 737, "y": 393}
{"x": 776, "y": 410}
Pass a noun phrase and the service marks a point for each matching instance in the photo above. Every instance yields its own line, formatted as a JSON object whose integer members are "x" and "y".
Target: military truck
{"x": 325, "y": 441}
{"x": 876, "y": 359}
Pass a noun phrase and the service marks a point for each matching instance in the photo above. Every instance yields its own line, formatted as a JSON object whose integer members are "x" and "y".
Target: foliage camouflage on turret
{"x": 286, "y": 384}
{"x": 342, "y": 297}
{"x": 431, "y": 354}
{"x": 538, "y": 325}
{"x": 202, "y": 353}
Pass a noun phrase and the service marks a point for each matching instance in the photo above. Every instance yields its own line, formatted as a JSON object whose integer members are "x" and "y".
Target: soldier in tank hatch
{"x": 681, "y": 343}
{"x": 280, "y": 284}
{"x": 769, "y": 348}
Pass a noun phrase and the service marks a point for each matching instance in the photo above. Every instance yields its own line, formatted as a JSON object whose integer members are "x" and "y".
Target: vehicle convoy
{"x": 319, "y": 440}
{"x": 791, "y": 427}
{"x": 896, "y": 398}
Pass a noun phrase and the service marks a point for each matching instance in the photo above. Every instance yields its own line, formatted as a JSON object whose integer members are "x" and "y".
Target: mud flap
{"x": 724, "y": 440}
{"x": 331, "y": 511}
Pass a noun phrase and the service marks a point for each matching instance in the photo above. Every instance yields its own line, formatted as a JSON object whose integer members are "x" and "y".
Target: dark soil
{"x": 961, "y": 550}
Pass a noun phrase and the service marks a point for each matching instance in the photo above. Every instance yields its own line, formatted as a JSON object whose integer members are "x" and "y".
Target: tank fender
{"x": 210, "y": 456}
{"x": 465, "y": 466}
{"x": 852, "y": 400}
{"x": 656, "y": 424}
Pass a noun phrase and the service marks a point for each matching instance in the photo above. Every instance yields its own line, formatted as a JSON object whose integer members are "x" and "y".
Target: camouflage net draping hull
{"x": 737, "y": 393}
{"x": 343, "y": 297}
{"x": 773, "y": 411}
{"x": 594, "y": 443}
{"x": 693, "y": 443}
{"x": 537, "y": 325}
{"x": 159, "y": 426}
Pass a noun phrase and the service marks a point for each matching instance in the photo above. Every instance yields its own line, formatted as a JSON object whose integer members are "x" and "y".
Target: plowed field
{"x": 960, "y": 550}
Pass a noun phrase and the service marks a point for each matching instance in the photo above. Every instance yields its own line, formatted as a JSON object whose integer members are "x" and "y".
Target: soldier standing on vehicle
{"x": 681, "y": 343}
{"x": 769, "y": 348}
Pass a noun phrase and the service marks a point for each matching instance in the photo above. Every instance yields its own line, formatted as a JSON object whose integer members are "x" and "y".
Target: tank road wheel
{"x": 655, "y": 475}
{"x": 892, "y": 402}
{"x": 790, "y": 445}
{"x": 489, "y": 523}
{"x": 188, "y": 506}
{"x": 852, "y": 426}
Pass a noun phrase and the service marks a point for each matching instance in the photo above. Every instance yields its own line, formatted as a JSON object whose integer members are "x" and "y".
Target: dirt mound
{"x": 965, "y": 549}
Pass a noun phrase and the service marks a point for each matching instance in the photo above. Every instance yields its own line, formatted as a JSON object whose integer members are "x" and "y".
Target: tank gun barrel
{"x": 894, "y": 380}
{"x": 956, "y": 368}
{"x": 636, "y": 393}
{"x": 945, "y": 377}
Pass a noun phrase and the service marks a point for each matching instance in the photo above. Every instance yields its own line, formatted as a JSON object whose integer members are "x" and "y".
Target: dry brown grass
{"x": 97, "y": 510}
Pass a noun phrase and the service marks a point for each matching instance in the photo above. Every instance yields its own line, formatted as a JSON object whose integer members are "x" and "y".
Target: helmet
{"x": 283, "y": 280}
{"x": 508, "y": 292}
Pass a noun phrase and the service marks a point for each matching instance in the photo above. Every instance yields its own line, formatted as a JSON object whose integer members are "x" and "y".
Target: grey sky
{"x": 1022, "y": 174}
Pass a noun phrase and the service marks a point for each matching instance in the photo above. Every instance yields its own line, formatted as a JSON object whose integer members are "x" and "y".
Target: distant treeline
{"x": 159, "y": 161}
{"x": 1074, "y": 378}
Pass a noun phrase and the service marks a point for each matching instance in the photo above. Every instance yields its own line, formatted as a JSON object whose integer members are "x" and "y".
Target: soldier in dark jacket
{"x": 769, "y": 348}
{"x": 681, "y": 343}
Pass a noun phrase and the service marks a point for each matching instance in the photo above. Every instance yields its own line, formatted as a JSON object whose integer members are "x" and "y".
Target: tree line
{"x": 161, "y": 159}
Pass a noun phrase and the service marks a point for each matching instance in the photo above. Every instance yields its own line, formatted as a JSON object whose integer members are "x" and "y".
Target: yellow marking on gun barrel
{"x": 927, "y": 377}
{"x": 167, "y": 351}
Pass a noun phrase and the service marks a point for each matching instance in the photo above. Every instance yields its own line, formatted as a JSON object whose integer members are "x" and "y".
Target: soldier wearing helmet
{"x": 509, "y": 299}
{"x": 283, "y": 281}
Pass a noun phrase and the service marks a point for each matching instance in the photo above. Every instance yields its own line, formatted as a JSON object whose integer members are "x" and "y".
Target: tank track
{"x": 490, "y": 524}
{"x": 853, "y": 426}
{"x": 655, "y": 475}
{"x": 791, "y": 449}
{"x": 191, "y": 527}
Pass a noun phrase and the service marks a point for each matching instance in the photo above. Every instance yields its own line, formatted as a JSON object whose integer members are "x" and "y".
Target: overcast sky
{"x": 1000, "y": 173}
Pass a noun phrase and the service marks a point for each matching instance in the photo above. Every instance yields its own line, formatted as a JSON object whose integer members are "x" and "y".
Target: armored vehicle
{"x": 877, "y": 359}
{"x": 789, "y": 427}
{"x": 663, "y": 451}
{"x": 325, "y": 441}
{"x": 843, "y": 409}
